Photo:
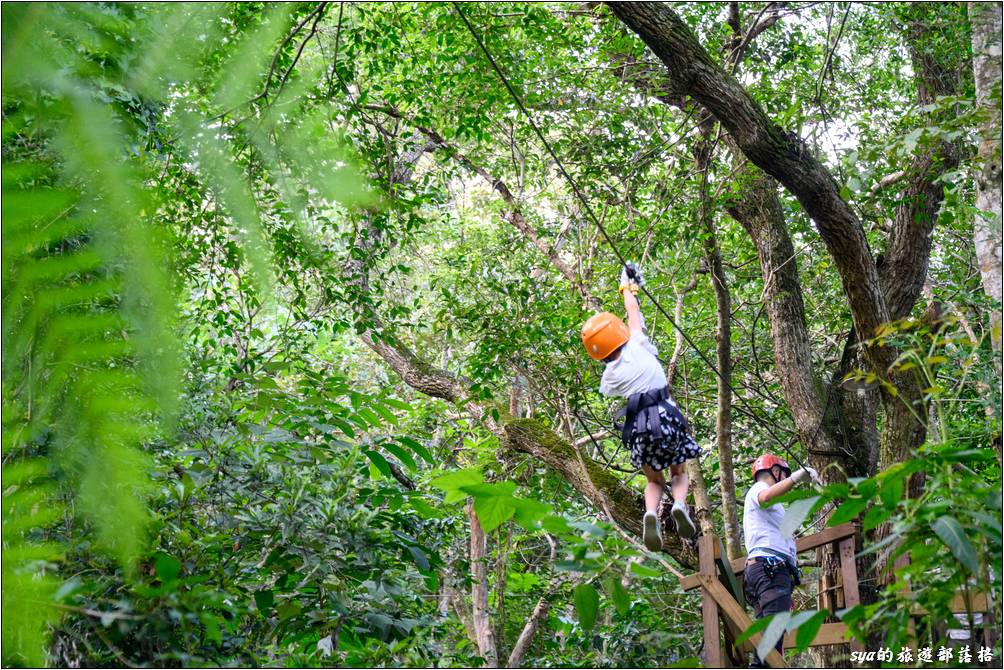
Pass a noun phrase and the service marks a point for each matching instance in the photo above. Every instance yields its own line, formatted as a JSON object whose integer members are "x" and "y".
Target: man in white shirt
{"x": 771, "y": 566}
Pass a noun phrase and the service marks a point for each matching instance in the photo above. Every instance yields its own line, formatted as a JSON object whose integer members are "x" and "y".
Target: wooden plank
{"x": 829, "y": 633}
{"x": 849, "y": 574}
{"x": 728, "y": 577}
{"x": 709, "y": 607}
{"x": 737, "y": 615}
{"x": 802, "y": 544}
{"x": 732, "y": 652}
{"x": 825, "y": 536}
{"x": 958, "y": 605}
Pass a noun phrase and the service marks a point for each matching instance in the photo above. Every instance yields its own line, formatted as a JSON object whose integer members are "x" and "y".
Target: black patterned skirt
{"x": 674, "y": 446}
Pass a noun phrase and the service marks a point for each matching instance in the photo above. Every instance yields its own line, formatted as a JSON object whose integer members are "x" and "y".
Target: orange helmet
{"x": 768, "y": 461}
{"x": 603, "y": 333}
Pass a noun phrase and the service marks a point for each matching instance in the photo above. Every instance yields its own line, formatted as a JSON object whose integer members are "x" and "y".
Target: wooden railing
{"x": 722, "y": 594}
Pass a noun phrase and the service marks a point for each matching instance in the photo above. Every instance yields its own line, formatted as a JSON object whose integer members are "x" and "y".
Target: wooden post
{"x": 738, "y": 617}
{"x": 728, "y": 576}
{"x": 849, "y": 574}
{"x": 902, "y": 561}
{"x": 712, "y": 628}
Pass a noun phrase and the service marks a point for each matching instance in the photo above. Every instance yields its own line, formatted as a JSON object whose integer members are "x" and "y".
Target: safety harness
{"x": 777, "y": 557}
{"x": 641, "y": 415}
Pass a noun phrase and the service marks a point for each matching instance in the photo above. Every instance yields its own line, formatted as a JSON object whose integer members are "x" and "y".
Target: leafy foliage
{"x": 205, "y": 205}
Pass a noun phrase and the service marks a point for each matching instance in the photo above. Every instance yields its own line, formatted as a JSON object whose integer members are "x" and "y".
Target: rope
{"x": 606, "y": 236}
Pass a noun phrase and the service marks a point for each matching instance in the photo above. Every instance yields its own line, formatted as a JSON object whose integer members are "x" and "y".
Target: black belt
{"x": 641, "y": 414}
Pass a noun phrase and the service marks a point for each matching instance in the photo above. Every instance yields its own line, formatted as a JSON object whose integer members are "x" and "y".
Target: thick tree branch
{"x": 522, "y": 645}
{"x": 909, "y": 246}
{"x": 693, "y": 72}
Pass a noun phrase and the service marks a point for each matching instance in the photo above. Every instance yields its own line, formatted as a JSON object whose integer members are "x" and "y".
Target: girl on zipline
{"x": 654, "y": 431}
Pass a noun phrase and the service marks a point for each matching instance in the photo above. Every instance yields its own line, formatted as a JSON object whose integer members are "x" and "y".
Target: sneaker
{"x": 651, "y": 533}
{"x": 681, "y": 517}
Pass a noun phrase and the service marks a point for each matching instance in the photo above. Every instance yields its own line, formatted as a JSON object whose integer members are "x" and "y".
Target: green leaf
{"x": 848, "y": 511}
{"x": 644, "y": 570}
{"x": 875, "y": 517}
{"x": 775, "y": 629}
{"x": 379, "y": 461}
{"x": 618, "y": 595}
{"x": 418, "y": 448}
{"x": 808, "y": 628}
{"x": 505, "y": 489}
{"x": 421, "y": 560}
{"x": 289, "y": 609}
{"x": 529, "y": 512}
{"x": 891, "y": 492}
{"x": 451, "y": 483}
{"x": 948, "y": 529}
{"x": 425, "y": 510}
{"x": 167, "y": 567}
{"x": 369, "y": 416}
{"x": 493, "y": 511}
{"x": 263, "y": 601}
{"x": 344, "y": 426}
{"x": 797, "y": 619}
{"x": 385, "y": 413}
{"x": 795, "y": 515}
{"x": 401, "y": 454}
{"x": 555, "y": 524}
{"x": 587, "y": 601}
{"x": 397, "y": 404}
{"x": 754, "y": 628}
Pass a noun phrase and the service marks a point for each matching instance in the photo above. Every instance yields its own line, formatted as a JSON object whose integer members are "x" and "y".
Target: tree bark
{"x": 782, "y": 155}
{"x": 985, "y": 18}
{"x": 522, "y": 645}
{"x": 479, "y": 592}
{"x": 908, "y": 248}
{"x": 785, "y": 156}
{"x": 760, "y": 213}
{"x": 702, "y": 504}
{"x": 723, "y": 347}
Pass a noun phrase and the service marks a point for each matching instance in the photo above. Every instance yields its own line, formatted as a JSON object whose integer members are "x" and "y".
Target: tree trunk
{"x": 723, "y": 339}
{"x": 479, "y": 592}
{"x": 702, "y": 505}
{"x": 986, "y": 22}
{"x": 786, "y": 157}
{"x": 909, "y": 246}
{"x": 759, "y": 211}
{"x": 522, "y": 645}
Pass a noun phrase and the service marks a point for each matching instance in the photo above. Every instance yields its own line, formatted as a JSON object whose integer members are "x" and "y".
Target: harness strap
{"x": 641, "y": 414}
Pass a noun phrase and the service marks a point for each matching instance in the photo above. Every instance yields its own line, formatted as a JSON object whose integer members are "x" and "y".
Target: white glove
{"x": 629, "y": 282}
{"x": 803, "y": 475}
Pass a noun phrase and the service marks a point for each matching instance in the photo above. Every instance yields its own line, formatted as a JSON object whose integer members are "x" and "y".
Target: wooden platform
{"x": 723, "y": 600}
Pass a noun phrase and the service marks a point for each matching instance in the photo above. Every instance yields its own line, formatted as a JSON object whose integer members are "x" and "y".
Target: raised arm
{"x": 629, "y": 288}
{"x": 786, "y": 484}
{"x": 633, "y": 308}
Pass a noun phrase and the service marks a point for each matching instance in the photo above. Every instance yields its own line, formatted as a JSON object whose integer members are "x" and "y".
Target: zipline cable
{"x": 596, "y": 221}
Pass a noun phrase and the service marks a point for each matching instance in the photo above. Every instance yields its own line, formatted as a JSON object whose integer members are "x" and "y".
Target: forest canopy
{"x": 292, "y": 298}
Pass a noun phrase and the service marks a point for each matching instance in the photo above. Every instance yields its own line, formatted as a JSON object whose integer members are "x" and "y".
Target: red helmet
{"x": 768, "y": 461}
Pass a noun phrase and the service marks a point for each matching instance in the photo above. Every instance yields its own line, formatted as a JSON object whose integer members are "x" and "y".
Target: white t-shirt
{"x": 762, "y": 525}
{"x": 636, "y": 370}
